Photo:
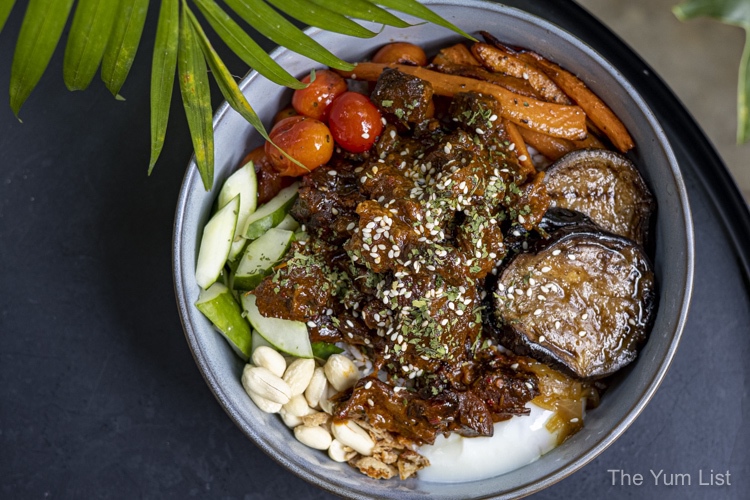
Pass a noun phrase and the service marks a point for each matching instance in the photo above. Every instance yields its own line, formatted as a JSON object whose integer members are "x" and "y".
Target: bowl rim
{"x": 325, "y": 481}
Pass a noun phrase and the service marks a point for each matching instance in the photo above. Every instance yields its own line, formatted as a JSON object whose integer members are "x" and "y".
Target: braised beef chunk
{"x": 402, "y": 98}
{"x": 607, "y": 187}
{"x": 581, "y": 301}
{"x": 327, "y": 202}
{"x": 473, "y": 112}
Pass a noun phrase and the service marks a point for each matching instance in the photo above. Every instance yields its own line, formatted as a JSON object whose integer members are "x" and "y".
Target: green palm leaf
{"x": 5, "y": 8}
{"x": 196, "y": 97}
{"x": 163, "y": 65}
{"x": 276, "y": 28}
{"x": 123, "y": 43}
{"x": 362, "y": 9}
{"x": 41, "y": 30}
{"x": 245, "y": 47}
{"x": 92, "y": 24}
{"x": 321, "y": 17}
{"x": 737, "y": 13}
{"x": 414, "y": 8}
{"x": 227, "y": 85}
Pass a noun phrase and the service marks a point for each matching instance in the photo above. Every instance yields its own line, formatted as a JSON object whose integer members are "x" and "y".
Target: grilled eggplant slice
{"x": 581, "y": 301}
{"x": 607, "y": 187}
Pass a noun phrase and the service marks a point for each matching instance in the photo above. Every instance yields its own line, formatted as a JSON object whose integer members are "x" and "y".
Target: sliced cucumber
{"x": 288, "y": 223}
{"x": 215, "y": 243}
{"x": 245, "y": 184}
{"x": 287, "y": 336}
{"x": 218, "y": 305}
{"x": 260, "y": 257}
{"x": 270, "y": 214}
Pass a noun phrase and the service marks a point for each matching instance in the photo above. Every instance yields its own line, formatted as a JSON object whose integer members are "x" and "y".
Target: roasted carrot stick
{"x": 522, "y": 154}
{"x": 557, "y": 120}
{"x": 515, "y": 85}
{"x": 599, "y": 113}
{"x": 551, "y": 147}
{"x": 457, "y": 54}
{"x": 501, "y": 61}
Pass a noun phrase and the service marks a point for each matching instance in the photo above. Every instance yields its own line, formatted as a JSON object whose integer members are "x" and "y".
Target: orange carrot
{"x": 599, "y": 113}
{"x": 522, "y": 154}
{"x": 551, "y": 147}
{"x": 501, "y": 61}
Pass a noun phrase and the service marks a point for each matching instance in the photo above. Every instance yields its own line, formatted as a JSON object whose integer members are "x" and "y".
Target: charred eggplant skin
{"x": 607, "y": 187}
{"x": 582, "y": 301}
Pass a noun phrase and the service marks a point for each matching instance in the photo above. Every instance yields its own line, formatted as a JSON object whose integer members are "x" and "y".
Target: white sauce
{"x": 515, "y": 443}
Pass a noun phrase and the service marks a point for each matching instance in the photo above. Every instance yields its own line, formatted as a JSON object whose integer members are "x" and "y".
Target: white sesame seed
{"x": 365, "y": 136}
{"x": 542, "y": 338}
{"x": 523, "y": 158}
{"x": 479, "y": 131}
{"x": 532, "y": 281}
{"x": 459, "y": 312}
{"x": 541, "y": 297}
{"x": 571, "y": 256}
{"x": 368, "y": 384}
{"x": 332, "y": 173}
{"x": 582, "y": 333}
{"x": 521, "y": 219}
{"x": 493, "y": 118}
{"x": 444, "y": 322}
{"x": 311, "y": 324}
{"x": 584, "y": 316}
{"x": 538, "y": 312}
{"x": 556, "y": 252}
{"x": 557, "y": 325}
{"x": 546, "y": 269}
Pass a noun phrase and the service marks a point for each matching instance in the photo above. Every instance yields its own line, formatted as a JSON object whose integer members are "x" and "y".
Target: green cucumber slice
{"x": 218, "y": 305}
{"x": 288, "y": 223}
{"x": 287, "y": 336}
{"x": 270, "y": 214}
{"x": 215, "y": 243}
{"x": 259, "y": 258}
{"x": 245, "y": 184}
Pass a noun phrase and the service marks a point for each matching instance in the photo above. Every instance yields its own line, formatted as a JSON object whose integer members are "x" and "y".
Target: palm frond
{"x": 92, "y": 24}
{"x": 107, "y": 33}
{"x": 41, "y": 29}
{"x": 123, "y": 43}
{"x": 196, "y": 96}
{"x": 163, "y": 66}
{"x": 5, "y": 9}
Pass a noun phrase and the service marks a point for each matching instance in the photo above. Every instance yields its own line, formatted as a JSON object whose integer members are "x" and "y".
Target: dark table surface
{"x": 99, "y": 394}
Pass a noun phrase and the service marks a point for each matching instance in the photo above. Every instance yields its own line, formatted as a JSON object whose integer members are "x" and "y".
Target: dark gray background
{"x": 99, "y": 395}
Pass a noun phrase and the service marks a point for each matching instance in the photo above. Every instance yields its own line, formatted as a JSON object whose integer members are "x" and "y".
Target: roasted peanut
{"x": 341, "y": 372}
{"x": 269, "y": 358}
{"x": 298, "y": 375}
{"x": 314, "y": 437}
{"x": 352, "y": 435}
{"x": 265, "y": 384}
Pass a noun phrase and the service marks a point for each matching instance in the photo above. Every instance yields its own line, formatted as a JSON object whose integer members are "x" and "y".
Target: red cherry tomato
{"x": 305, "y": 139}
{"x": 315, "y": 99}
{"x": 355, "y": 122}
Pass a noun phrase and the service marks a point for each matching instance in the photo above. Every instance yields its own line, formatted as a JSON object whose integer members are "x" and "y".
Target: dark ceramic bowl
{"x": 673, "y": 259}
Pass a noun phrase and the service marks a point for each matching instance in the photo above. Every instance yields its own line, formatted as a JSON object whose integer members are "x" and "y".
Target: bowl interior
{"x": 673, "y": 255}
